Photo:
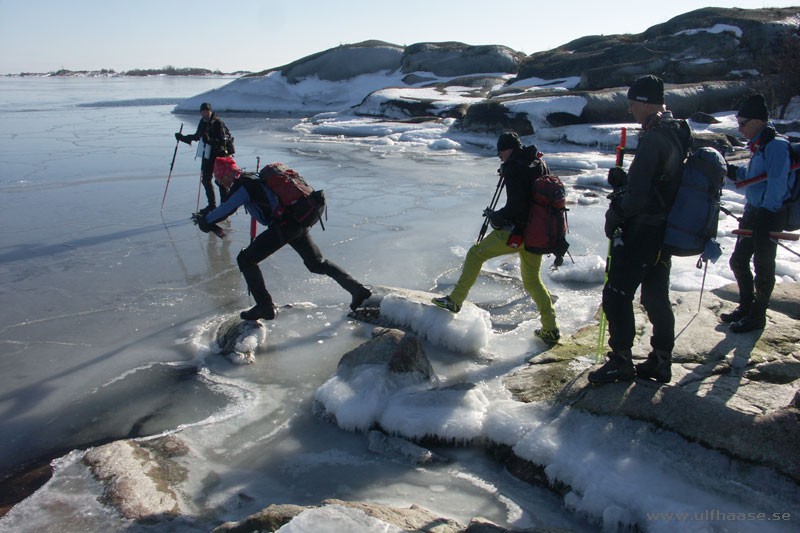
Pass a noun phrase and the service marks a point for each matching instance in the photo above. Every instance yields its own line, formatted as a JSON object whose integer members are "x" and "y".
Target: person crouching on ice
{"x": 260, "y": 202}
{"x": 517, "y": 172}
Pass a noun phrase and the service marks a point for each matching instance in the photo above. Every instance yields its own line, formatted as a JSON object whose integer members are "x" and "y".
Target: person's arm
{"x": 641, "y": 175}
{"x": 777, "y": 162}
{"x": 234, "y": 201}
{"x": 196, "y": 136}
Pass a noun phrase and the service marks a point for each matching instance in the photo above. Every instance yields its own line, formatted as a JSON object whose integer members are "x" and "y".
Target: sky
{"x": 47, "y": 35}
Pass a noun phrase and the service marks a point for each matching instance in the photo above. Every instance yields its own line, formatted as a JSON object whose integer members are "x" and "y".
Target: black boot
{"x": 756, "y": 317}
{"x": 359, "y": 296}
{"x": 658, "y": 366}
{"x": 618, "y": 368}
{"x": 266, "y": 312}
{"x": 739, "y": 313}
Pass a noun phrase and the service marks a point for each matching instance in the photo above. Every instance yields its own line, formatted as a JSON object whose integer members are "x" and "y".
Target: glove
{"x": 496, "y": 220}
{"x": 178, "y": 137}
{"x": 613, "y": 221}
{"x": 202, "y": 225}
{"x": 733, "y": 172}
{"x": 617, "y": 178}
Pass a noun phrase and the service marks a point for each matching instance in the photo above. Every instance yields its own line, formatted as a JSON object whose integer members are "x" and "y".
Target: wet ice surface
{"x": 111, "y": 309}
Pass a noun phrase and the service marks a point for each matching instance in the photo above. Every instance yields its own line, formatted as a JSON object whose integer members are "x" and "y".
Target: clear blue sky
{"x": 46, "y": 35}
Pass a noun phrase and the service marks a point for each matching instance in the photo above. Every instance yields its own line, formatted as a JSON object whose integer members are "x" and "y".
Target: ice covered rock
{"x": 238, "y": 340}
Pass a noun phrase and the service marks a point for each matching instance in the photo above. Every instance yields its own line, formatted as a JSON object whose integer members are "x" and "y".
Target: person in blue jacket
{"x": 259, "y": 201}
{"x": 763, "y": 212}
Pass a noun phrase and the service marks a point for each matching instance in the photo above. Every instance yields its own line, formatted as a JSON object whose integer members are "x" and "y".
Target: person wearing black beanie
{"x": 216, "y": 141}
{"x": 763, "y": 212}
{"x": 635, "y": 224}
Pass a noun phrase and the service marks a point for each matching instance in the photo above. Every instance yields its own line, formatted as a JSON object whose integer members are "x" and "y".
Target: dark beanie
{"x": 205, "y": 106}
{"x": 508, "y": 140}
{"x": 754, "y": 107}
{"x": 648, "y": 89}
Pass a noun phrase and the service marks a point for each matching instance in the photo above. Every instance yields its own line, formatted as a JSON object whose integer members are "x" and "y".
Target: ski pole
{"x": 491, "y": 207}
{"x": 253, "y": 222}
{"x": 170, "y": 167}
{"x": 761, "y": 177}
{"x": 601, "y": 336}
{"x": 773, "y": 235}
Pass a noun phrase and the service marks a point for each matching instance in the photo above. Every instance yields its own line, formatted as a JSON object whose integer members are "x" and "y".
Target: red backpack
{"x": 546, "y": 229}
{"x": 299, "y": 202}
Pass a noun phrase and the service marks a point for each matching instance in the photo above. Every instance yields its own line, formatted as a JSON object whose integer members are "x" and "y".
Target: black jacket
{"x": 655, "y": 173}
{"x": 518, "y": 172}
{"x": 212, "y": 133}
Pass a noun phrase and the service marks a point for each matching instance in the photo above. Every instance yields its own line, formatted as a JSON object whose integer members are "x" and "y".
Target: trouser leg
{"x": 316, "y": 264}
{"x": 630, "y": 262}
{"x": 655, "y": 299}
{"x": 264, "y": 245}
{"x": 740, "y": 265}
{"x": 492, "y": 245}
{"x": 207, "y": 170}
{"x": 530, "y": 266}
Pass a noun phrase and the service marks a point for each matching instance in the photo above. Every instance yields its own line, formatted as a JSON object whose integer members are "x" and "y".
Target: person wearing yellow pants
{"x": 509, "y": 223}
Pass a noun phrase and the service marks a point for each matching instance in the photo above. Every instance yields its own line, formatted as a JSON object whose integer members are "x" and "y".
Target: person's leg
{"x": 530, "y": 267}
{"x": 316, "y": 264}
{"x": 493, "y": 245}
{"x": 655, "y": 299}
{"x": 740, "y": 267}
{"x": 264, "y": 245}
{"x": 207, "y": 172}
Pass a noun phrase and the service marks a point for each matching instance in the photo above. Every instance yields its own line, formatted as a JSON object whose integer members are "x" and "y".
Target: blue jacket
{"x": 258, "y": 200}
{"x": 772, "y": 159}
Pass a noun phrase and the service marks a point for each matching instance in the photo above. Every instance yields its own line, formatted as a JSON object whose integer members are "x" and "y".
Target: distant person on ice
{"x": 635, "y": 223}
{"x": 763, "y": 212}
{"x": 260, "y": 202}
{"x": 517, "y": 170}
{"x": 212, "y": 132}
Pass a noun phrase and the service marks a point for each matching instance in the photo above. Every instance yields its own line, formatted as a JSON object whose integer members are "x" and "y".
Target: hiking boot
{"x": 749, "y": 323}
{"x": 735, "y": 315}
{"x": 549, "y": 336}
{"x": 359, "y": 297}
{"x": 658, "y": 366}
{"x": 267, "y": 312}
{"x": 446, "y": 303}
{"x": 618, "y": 368}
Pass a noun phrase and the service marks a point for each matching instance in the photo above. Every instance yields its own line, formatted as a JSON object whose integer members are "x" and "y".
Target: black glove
{"x": 617, "y": 178}
{"x": 496, "y": 220}
{"x": 202, "y": 225}
{"x": 732, "y": 172}
{"x": 613, "y": 221}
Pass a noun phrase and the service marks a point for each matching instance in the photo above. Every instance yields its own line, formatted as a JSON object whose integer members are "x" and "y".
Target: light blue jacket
{"x": 772, "y": 159}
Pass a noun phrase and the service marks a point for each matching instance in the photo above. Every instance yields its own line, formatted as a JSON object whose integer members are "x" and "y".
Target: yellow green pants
{"x": 494, "y": 245}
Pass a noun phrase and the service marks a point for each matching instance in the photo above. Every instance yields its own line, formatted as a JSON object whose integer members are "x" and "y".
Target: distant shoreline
{"x": 166, "y": 71}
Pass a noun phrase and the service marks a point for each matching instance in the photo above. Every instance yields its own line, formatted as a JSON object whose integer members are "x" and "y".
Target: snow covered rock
{"x": 239, "y": 339}
{"x": 140, "y": 476}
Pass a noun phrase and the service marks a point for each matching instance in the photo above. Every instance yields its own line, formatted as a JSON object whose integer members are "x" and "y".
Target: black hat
{"x": 508, "y": 140}
{"x": 205, "y": 106}
{"x": 648, "y": 89}
{"x": 754, "y": 107}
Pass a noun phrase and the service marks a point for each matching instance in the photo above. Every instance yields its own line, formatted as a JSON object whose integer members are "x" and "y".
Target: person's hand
{"x": 496, "y": 220}
{"x": 617, "y": 178}
{"x": 202, "y": 225}
{"x": 613, "y": 221}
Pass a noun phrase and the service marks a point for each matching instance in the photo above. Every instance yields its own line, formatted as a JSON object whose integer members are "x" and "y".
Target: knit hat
{"x": 224, "y": 166}
{"x": 648, "y": 89}
{"x": 205, "y": 106}
{"x": 754, "y": 107}
{"x": 508, "y": 140}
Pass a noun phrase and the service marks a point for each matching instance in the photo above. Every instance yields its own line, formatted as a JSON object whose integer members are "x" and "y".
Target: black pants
{"x": 272, "y": 240}
{"x": 636, "y": 261}
{"x": 762, "y": 250}
{"x": 207, "y": 173}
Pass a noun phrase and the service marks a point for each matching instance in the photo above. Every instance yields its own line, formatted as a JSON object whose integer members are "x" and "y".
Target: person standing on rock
{"x": 213, "y": 134}
{"x": 635, "y": 224}
{"x": 520, "y": 166}
{"x": 261, "y": 203}
{"x": 762, "y": 213}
